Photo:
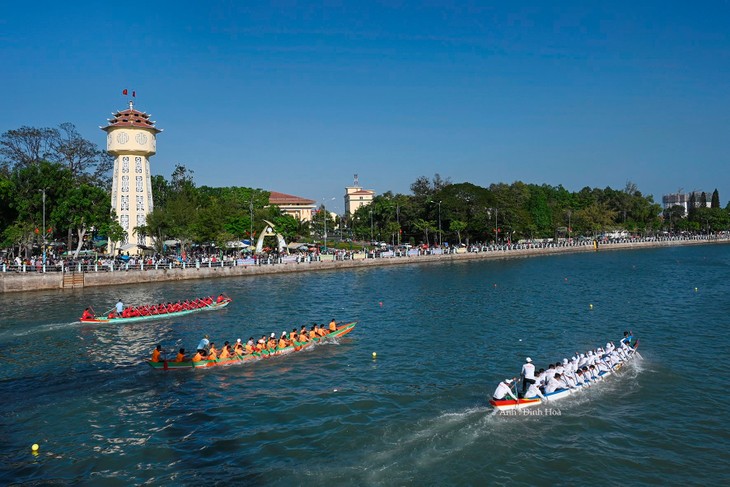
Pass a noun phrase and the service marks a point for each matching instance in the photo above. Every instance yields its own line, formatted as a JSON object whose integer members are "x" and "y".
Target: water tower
{"x": 132, "y": 140}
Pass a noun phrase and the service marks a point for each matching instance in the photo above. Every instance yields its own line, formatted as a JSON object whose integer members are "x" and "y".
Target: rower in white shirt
{"x": 554, "y": 383}
{"x": 503, "y": 389}
{"x": 534, "y": 391}
{"x": 528, "y": 374}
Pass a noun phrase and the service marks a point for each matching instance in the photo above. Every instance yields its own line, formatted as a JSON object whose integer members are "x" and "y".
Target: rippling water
{"x": 444, "y": 334}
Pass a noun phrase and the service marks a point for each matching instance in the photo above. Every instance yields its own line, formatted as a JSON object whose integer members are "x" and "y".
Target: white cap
{"x": 273, "y": 335}
{"x": 565, "y": 360}
{"x": 508, "y": 381}
{"x": 528, "y": 359}
{"x": 238, "y": 340}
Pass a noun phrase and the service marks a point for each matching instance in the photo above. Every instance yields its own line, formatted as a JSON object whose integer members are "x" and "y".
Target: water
{"x": 445, "y": 334}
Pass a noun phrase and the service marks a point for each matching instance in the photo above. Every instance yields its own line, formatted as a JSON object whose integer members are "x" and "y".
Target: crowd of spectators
{"x": 199, "y": 258}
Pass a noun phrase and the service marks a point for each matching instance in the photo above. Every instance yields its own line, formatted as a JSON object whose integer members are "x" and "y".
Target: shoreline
{"x": 23, "y": 282}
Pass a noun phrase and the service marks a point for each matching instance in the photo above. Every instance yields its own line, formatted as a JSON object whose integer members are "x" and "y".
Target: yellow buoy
{"x": 590, "y": 306}
{"x": 34, "y": 447}
{"x": 695, "y": 289}
{"x": 375, "y": 354}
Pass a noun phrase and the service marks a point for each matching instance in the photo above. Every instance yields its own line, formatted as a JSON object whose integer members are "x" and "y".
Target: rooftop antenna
{"x": 357, "y": 181}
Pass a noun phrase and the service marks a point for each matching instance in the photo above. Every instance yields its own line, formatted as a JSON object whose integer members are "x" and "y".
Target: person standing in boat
{"x": 203, "y": 345}
{"x": 528, "y": 374}
{"x": 504, "y": 388}
{"x": 119, "y": 307}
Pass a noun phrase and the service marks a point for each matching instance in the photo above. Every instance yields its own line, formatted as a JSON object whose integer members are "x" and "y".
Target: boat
{"x": 525, "y": 402}
{"x": 341, "y": 330}
{"x": 159, "y": 311}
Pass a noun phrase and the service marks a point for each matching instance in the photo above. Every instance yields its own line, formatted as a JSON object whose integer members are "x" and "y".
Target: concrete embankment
{"x": 33, "y": 281}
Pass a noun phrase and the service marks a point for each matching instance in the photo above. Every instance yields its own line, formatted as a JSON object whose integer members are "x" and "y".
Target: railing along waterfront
{"x": 108, "y": 265}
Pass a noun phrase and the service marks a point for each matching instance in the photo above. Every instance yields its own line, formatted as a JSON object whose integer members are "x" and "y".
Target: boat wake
{"x": 46, "y": 328}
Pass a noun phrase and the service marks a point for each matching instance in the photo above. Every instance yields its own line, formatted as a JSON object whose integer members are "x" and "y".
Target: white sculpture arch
{"x": 269, "y": 231}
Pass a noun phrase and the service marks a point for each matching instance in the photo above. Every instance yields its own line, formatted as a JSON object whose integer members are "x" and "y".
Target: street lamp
{"x": 371, "y": 227}
{"x": 44, "y": 226}
{"x": 397, "y": 219}
{"x": 439, "y": 224}
{"x": 324, "y": 210}
{"x": 495, "y": 210}
{"x": 250, "y": 235}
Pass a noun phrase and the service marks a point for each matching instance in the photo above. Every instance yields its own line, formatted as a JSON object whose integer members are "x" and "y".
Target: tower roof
{"x": 131, "y": 118}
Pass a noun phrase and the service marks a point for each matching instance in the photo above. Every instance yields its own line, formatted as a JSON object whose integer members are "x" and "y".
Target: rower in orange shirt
{"x": 313, "y": 332}
{"x": 180, "y": 356}
{"x": 212, "y": 352}
{"x": 283, "y": 342}
{"x": 333, "y": 325}
{"x": 225, "y": 352}
{"x": 156, "y": 353}
{"x": 198, "y": 357}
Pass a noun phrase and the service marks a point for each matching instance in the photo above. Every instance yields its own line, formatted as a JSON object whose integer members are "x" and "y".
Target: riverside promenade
{"x": 22, "y": 279}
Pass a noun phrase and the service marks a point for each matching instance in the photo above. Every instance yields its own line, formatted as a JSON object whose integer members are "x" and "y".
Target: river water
{"x": 445, "y": 334}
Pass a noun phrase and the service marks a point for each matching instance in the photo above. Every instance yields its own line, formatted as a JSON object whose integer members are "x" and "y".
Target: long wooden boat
{"x": 159, "y": 316}
{"x": 511, "y": 404}
{"x": 256, "y": 356}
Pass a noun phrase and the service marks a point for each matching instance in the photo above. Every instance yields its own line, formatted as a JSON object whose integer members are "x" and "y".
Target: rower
{"x": 87, "y": 315}
{"x": 293, "y": 336}
{"x": 333, "y": 325}
{"x": 528, "y": 374}
{"x": 156, "y": 353}
{"x": 313, "y": 332}
{"x": 282, "y": 341}
{"x": 180, "y": 356}
{"x": 534, "y": 391}
{"x": 249, "y": 346}
{"x": 238, "y": 347}
{"x": 554, "y": 383}
{"x": 212, "y": 352}
{"x": 225, "y": 351}
{"x": 321, "y": 331}
{"x": 503, "y": 389}
{"x": 198, "y": 357}
{"x": 119, "y": 307}
{"x": 628, "y": 338}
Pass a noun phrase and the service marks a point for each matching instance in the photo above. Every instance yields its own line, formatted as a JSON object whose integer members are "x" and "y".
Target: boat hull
{"x": 256, "y": 356}
{"x": 161, "y": 316}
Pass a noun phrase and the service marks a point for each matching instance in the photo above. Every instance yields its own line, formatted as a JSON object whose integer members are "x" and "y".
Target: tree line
{"x": 75, "y": 176}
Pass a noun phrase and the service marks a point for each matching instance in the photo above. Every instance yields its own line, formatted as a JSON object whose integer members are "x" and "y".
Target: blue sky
{"x": 296, "y": 98}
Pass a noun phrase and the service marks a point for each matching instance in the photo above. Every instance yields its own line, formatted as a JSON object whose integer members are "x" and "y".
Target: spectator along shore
{"x": 34, "y": 276}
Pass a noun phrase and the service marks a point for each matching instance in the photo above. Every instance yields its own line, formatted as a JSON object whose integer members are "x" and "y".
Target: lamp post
{"x": 324, "y": 210}
{"x": 495, "y": 210}
{"x": 439, "y": 224}
{"x": 44, "y": 226}
{"x": 250, "y": 235}
{"x": 371, "y": 227}
{"x": 569, "y": 228}
{"x": 397, "y": 219}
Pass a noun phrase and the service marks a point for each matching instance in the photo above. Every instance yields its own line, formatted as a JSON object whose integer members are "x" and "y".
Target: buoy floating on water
{"x": 695, "y": 289}
{"x": 590, "y": 306}
{"x": 34, "y": 447}
{"x": 381, "y": 304}
{"x": 375, "y": 355}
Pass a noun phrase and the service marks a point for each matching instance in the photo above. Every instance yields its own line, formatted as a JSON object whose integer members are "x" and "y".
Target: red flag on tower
{"x": 124, "y": 91}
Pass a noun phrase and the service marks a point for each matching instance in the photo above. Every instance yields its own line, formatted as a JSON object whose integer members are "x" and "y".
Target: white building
{"x": 355, "y": 197}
